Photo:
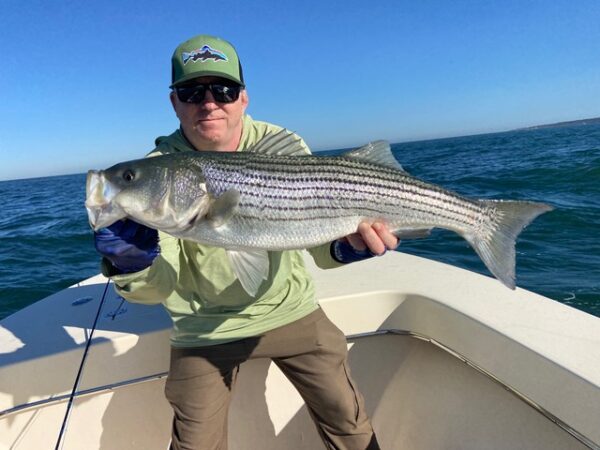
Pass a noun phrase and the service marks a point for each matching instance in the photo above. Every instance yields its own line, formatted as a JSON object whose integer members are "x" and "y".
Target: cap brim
{"x": 207, "y": 73}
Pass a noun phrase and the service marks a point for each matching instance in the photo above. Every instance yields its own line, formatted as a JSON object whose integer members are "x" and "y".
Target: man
{"x": 216, "y": 324}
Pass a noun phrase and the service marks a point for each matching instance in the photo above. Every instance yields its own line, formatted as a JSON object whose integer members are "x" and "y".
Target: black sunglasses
{"x": 222, "y": 93}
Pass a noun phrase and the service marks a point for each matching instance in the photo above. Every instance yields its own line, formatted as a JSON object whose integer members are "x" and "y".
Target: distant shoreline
{"x": 592, "y": 121}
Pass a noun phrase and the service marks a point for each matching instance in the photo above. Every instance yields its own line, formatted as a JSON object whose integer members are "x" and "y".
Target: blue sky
{"x": 84, "y": 84}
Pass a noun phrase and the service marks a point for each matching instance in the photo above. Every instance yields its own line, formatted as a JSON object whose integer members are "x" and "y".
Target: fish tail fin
{"x": 494, "y": 240}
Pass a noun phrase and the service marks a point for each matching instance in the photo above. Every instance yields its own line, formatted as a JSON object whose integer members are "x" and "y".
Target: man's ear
{"x": 245, "y": 99}
{"x": 173, "y": 99}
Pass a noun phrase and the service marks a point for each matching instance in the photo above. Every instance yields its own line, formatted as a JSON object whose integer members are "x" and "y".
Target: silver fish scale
{"x": 294, "y": 202}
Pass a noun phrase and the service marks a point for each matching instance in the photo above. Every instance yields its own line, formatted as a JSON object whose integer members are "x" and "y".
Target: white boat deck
{"x": 445, "y": 358}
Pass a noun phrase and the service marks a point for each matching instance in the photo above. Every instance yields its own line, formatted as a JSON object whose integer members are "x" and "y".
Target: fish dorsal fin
{"x": 283, "y": 142}
{"x": 251, "y": 267}
{"x": 223, "y": 207}
{"x": 377, "y": 152}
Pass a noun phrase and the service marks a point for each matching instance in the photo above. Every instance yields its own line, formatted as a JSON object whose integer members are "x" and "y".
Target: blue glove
{"x": 343, "y": 252}
{"x": 128, "y": 245}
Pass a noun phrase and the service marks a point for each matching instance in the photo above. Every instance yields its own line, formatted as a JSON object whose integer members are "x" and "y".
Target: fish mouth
{"x": 99, "y": 202}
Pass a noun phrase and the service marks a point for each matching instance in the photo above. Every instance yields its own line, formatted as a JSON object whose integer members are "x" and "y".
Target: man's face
{"x": 211, "y": 125}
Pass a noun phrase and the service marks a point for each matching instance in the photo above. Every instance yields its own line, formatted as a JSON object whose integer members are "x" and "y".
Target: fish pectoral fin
{"x": 377, "y": 152}
{"x": 223, "y": 207}
{"x": 251, "y": 267}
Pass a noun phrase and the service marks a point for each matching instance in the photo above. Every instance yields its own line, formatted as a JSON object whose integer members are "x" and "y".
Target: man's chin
{"x": 208, "y": 136}
{"x": 208, "y": 129}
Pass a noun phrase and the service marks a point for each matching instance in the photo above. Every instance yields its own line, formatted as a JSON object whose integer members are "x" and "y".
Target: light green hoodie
{"x": 198, "y": 288}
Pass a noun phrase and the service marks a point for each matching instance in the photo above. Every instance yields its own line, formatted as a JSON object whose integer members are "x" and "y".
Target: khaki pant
{"x": 311, "y": 352}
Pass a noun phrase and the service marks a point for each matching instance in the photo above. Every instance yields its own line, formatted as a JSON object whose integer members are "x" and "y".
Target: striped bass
{"x": 270, "y": 198}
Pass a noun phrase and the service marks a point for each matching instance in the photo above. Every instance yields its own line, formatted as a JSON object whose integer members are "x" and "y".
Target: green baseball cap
{"x": 205, "y": 55}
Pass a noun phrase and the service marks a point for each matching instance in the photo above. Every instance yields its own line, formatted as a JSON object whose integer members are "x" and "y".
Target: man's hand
{"x": 376, "y": 238}
{"x": 368, "y": 241}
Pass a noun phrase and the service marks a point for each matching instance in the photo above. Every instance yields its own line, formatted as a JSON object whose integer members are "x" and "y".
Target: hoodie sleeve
{"x": 323, "y": 258}
{"x": 155, "y": 283}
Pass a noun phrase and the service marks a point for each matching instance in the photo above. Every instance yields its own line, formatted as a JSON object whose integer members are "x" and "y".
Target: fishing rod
{"x": 60, "y": 441}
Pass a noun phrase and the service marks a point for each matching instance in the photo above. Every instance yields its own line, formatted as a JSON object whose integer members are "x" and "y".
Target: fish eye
{"x": 129, "y": 175}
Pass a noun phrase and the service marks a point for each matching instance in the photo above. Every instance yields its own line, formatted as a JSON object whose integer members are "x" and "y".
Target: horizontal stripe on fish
{"x": 451, "y": 211}
{"x": 435, "y": 216}
{"x": 396, "y": 208}
{"x": 330, "y": 190}
{"x": 266, "y": 184}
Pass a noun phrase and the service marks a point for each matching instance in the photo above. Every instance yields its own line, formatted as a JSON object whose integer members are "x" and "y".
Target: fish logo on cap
{"x": 203, "y": 54}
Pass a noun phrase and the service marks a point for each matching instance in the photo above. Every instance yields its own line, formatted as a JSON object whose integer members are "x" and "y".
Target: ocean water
{"x": 46, "y": 243}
